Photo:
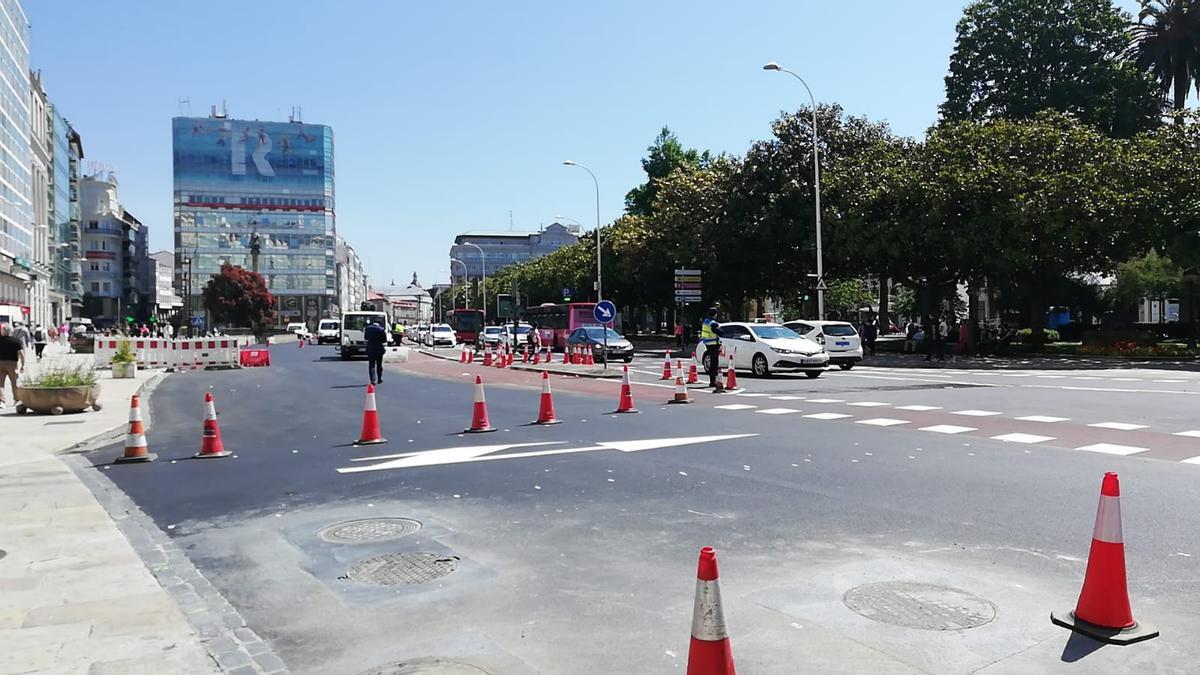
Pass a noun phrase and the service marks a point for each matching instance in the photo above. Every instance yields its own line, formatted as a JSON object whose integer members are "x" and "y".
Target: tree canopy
{"x": 238, "y": 297}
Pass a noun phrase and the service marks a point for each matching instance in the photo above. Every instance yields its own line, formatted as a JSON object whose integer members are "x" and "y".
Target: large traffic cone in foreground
{"x": 546, "y": 408}
{"x": 370, "y": 427}
{"x": 681, "y": 393}
{"x": 1103, "y": 612}
{"x": 625, "y": 405}
{"x": 136, "y": 448}
{"x": 479, "y": 416}
{"x": 210, "y": 444}
{"x": 693, "y": 377}
{"x": 710, "y": 652}
{"x": 667, "y": 368}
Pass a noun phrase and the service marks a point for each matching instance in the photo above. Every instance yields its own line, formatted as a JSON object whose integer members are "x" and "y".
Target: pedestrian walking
{"x": 710, "y": 337}
{"x": 64, "y": 333}
{"x": 21, "y": 333}
{"x": 870, "y": 332}
{"x": 910, "y": 336}
{"x": 12, "y": 361}
{"x": 964, "y": 337}
{"x": 39, "y": 340}
{"x": 377, "y": 338}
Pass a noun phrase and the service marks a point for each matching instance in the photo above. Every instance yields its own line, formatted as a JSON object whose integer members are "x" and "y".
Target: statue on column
{"x": 255, "y": 249}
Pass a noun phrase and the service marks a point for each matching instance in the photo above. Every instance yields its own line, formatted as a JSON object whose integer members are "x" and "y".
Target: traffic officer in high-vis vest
{"x": 710, "y": 337}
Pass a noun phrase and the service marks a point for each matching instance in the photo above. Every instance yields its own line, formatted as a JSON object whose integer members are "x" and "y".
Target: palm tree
{"x": 1166, "y": 43}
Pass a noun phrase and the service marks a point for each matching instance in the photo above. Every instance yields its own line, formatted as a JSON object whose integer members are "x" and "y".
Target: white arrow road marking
{"x": 480, "y": 453}
{"x": 454, "y": 452}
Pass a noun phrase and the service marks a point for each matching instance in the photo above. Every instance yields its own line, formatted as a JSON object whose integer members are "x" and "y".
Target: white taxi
{"x": 766, "y": 348}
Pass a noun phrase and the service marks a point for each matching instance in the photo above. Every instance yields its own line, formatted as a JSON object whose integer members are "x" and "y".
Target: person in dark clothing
{"x": 377, "y": 337}
{"x": 12, "y": 360}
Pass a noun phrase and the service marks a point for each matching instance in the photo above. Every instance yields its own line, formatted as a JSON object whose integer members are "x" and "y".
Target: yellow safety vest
{"x": 707, "y": 334}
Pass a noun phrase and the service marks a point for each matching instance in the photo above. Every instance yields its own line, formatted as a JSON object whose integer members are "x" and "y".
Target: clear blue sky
{"x": 447, "y": 116}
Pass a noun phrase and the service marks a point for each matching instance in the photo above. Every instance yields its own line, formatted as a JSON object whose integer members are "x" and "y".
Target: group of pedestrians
{"x": 37, "y": 336}
{"x": 928, "y": 338}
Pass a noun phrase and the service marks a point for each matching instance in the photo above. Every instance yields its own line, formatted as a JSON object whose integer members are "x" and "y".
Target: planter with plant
{"x": 124, "y": 362}
{"x": 58, "y": 390}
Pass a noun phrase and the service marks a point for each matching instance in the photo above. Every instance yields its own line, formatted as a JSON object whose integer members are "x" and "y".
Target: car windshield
{"x": 598, "y": 333}
{"x": 838, "y": 329}
{"x": 522, "y": 330}
{"x": 359, "y": 321}
{"x": 329, "y": 325}
{"x": 442, "y": 329}
{"x": 491, "y": 330}
{"x": 774, "y": 332}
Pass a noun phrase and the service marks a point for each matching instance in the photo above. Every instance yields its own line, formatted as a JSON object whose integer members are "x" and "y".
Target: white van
{"x": 352, "y": 341}
{"x": 329, "y": 330}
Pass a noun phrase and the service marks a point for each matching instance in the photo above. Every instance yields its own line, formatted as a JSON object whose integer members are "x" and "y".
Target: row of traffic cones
{"x": 504, "y": 357}
{"x": 137, "y": 449}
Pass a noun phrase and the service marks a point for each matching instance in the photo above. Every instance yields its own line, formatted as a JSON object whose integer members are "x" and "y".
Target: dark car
{"x": 593, "y": 338}
{"x": 82, "y": 342}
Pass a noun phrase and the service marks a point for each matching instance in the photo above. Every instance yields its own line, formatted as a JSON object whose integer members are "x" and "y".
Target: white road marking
{"x": 919, "y": 408}
{"x": 1051, "y": 377}
{"x": 754, "y": 395}
{"x": 825, "y": 400}
{"x": 1022, "y": 438}
{"x": 1194, "y": 460}
{"x": 1085, "y": 377}
{"x": 735, "y": 406}
{"x": 1188, "y": 434}
{"x": 1125, "y": 379}
{"x": 975, "y": 413}
{"x": 948, "y": 429}
{"x": 1113, "y": 389}
{"x": 1016, "y": 375}
{"x": 787, "y": 398}
{"x": 826, "y": 416}
{"x": 777, "y": 411}
{"x": 868, "y": 404}
{"x": 882, "y": 422}
{"x": 1043, "y": 418}
{"x": 1168, "y": 381}
{"x": 1113, "y": 449}
{"x": 454, "y": 452}
{"x": 1119, "y": 426}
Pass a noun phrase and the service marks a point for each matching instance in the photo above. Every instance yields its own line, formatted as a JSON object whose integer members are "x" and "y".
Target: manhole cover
{"x": 399, "y": 569}
{"x": 368, "y": 530}
{"x": 426, "y": 667}
{"x": 922, "y": 606}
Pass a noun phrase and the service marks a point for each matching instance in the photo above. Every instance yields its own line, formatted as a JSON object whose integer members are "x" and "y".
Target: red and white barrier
{"x": 179, "y": 354}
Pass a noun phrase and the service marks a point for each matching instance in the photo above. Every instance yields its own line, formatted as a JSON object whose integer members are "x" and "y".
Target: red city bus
{"x": 467, "y": 324}
{"x": 555, "y": 322}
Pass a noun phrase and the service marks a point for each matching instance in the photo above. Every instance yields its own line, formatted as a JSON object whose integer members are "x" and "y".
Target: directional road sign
{"x": 604, "y": 311}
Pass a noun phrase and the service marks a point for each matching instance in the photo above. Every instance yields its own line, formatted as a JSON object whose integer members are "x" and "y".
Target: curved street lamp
{"x": 454, "y": 302}
{"x": 816, "y": 185}
{"x": 483, "y": 280}
{"x": 599, "y": 276}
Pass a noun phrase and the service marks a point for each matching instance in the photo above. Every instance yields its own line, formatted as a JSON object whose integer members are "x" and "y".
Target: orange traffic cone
{"x": 487, "y": 356}
{"x": 576, "y": 359}
{"x": 731, "y": 374}
{"x": 136, "y": 449}
{"x": 525, "y": 355}
{"x": 693, "y": 377}
{"x": 566, "y": 355}
{"x": 210, "y": 444}
{"x": 589, "y": 358}
{"x": 667, "y": 368}
{"x": 512, "y": 356}
{"x": 1103, "y": 612}
{"x": 370, "y": 427}
{"x": 625, "y": 405}
{"x": 300, "y": 342}
{"x": 479, "y": 416}
{"x": 681, "y": 393}
{"x": 462, "y": 354}
{"x": 537, "y": 357}
{"x": 471, "y": 354}
{"x": 709, "y": 652}
{"x": 546, "y": 408}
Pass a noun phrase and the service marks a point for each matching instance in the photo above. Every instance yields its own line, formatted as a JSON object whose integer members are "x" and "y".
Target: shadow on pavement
{"x": 1078, "y": 646}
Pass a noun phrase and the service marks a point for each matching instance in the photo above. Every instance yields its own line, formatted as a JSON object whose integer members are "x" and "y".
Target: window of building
{"x": 95, "y": 287}
{"x": 95, "y": 267}
{"x": 108, "y": 287}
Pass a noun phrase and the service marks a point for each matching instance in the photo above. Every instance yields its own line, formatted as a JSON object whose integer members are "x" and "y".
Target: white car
{"x": 300, "y": 329}
{"x": 440, "y": 334}
{"x": 841, "y": 341}
{"x": 520, "y": 339}
{"x": 492, "y": 335}
{"x": 329, "y": 330}
{"x": 766, "y": 348}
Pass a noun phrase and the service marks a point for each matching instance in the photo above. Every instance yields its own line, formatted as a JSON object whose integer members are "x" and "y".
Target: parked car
{"x": 440, "y": 334}
{"x": 329, "y": 331}
{"x": 593, "y": 338}
{"x": 82, "y": 342}
{"x": 420, "y": 332}
{"x": 518, "y": 337}
{"x": 492, "y": 335}
{"x": 300, "y": 329}
{"x": 841, "y": 341}
{"x": 766, "y": 348}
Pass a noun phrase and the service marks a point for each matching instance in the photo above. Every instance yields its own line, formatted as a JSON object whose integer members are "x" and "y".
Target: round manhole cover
{"x": 399, "y": 569}
{"x": 426, "y": 667}
{"x": 921, "y": 606}
{"x": 369, "y": 530}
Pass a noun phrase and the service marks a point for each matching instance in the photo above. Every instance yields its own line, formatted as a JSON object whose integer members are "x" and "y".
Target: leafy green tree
{"x": 236, "y": 296}
{"x": 1015, "y": 58}
{"x": 1150, "y": 276}
{"x": 1166, "y": 43}
{"x": 665, "y": 155}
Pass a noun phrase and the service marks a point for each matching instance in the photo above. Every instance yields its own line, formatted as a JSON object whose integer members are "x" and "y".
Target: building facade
{"x": 503, "y": 248}
{"x": 117, "y": 277}
{"x": 167, "y": 302}
{"x": 351, "y": 279}
{"x": 271, "y": 184}
{"x": 41, "y": 141}
{"x": 16, "y": 160}
{"x": 411, "y": 304}
{"x": 66, "y": 273}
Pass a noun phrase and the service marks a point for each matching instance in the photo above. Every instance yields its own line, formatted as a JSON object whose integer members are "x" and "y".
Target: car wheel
{"x": 845, "y": 366}
{"x": 759, "y": 366}
{"x": 812, "y": 374}
{"x": 706, "y": 361}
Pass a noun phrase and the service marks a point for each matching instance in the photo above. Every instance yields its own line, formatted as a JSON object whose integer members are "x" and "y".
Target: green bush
{"x": 62, "y": 376}
{"x": 1026, "y": 335}
{"x": 124, "y": 353}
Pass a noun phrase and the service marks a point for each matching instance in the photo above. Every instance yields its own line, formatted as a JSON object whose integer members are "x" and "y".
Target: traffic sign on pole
{"x": 821, "y": 285}
{"x": 604, "y": 311}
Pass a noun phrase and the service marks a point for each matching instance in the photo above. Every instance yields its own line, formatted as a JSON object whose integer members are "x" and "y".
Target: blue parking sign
{"x": 604, "y": 311}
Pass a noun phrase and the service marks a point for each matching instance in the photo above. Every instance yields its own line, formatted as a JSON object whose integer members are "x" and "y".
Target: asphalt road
{"x": 575, "y": 545}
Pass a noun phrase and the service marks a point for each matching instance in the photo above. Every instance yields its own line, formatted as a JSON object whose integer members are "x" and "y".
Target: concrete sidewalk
{"x": 75, "y": 597}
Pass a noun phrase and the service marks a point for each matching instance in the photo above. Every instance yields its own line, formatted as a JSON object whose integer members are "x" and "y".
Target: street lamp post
{"x": 816, "y": 186}
{"x": 599, "y": 275}
{"x": 453, "y": 302}
{"x": 483, "y": 279}
{"x": 187, "y": 295}
{"x": 1191, "y": 277}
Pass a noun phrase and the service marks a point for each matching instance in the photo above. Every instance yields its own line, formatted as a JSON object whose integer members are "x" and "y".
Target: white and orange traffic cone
{"x": 666, "y": 375}
{"x": 710, "y": 652}
{"x": 370, "y": 426}
{"x": 136, "y": 448}
{"x": 210, "y": 444}
{"x": 525, "y": 355}
{"x": 681, "y": 393}
{"x": 537, "y": 357}
{"x": 546, "y": 406}
{"x": 576, "y": 359}
{"x": 487, "y": 356}
{"x": 301, "y": 343}
{"x": 479, "y": 415}
{"x": 731, "y": 374}
{"x": 462, "y": 354}
{"x": 512, "y": 357}
{"x": 1103, "y": 611}
{"x": 693, "y": 377}
{"x": 625, "y": 404}
{"x": 589, "y": 359}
